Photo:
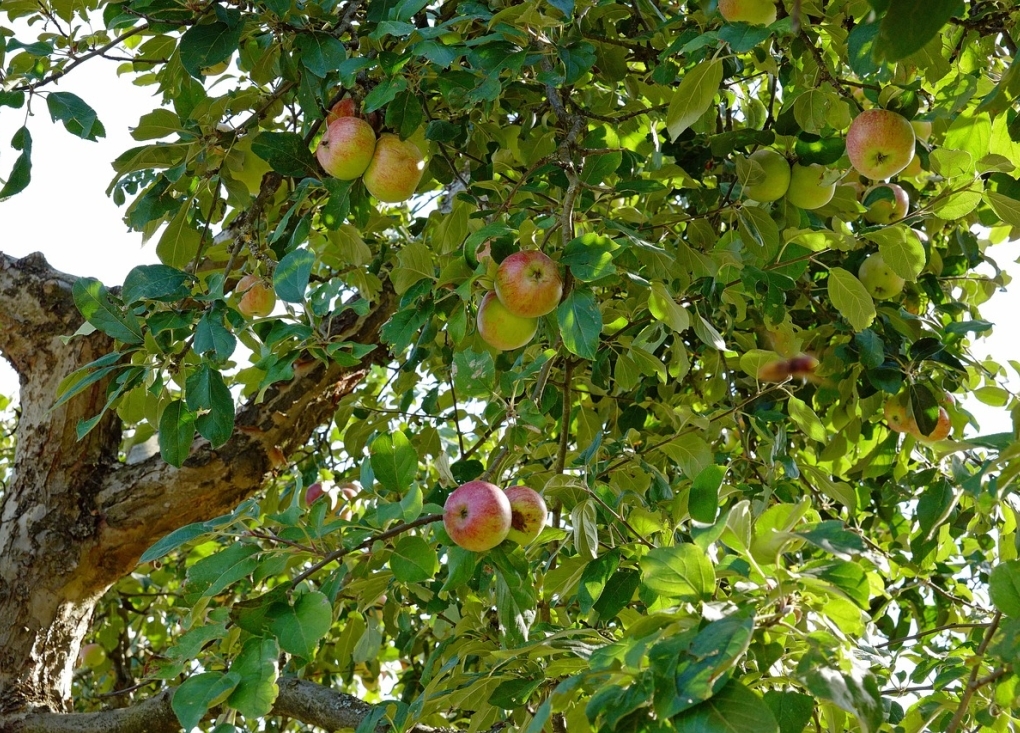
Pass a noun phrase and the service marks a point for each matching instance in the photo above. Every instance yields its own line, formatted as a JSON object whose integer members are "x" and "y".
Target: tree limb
{"x": 302, "y": 700}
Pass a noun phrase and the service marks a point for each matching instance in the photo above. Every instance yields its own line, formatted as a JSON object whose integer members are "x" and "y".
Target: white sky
{"x": 65, "y": 213}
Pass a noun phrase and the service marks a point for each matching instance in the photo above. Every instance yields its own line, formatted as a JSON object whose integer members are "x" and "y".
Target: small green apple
{"x": 808, "y": 189}
{"x": 886, "y": 203}
{"x": 755, "y": 12}
{"x": 777, "y": 176}
{"x": 879, "y": 279}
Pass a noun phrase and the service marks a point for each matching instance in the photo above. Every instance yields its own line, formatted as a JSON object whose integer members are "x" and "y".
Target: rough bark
{"x": 74, "y": 519}
{"x": 298, "y": 699}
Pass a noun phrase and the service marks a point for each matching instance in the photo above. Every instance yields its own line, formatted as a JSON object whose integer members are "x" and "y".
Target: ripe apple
{"x": 880, "y": 143}
{"x": 808, "y": 189}
{"x": 347, "y": 148}
{"x": 92, "y": 655}
{"x": 477, "y": 516}
{"x": 878, "y": 277}
{"x": 942, "y": 428}
{"x": 755, "y": 12}
{"x": 886, "y": 203}
{"x": 257, "y": 298}
{"x": 528, "y": 514}
{"x": 344, "y": 108}
{"x": 528, "y": 284}
{"x": 313, "y": 492}
{"x": 396, "y": 169}
{"x": 500, "y": 328}
{"x": 777, "y": 176}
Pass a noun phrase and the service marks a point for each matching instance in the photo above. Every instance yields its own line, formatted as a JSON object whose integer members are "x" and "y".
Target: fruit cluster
{"x": 390, "y": 168}
{"x": 478, "y": 515}
{"x": 527, "y": 286}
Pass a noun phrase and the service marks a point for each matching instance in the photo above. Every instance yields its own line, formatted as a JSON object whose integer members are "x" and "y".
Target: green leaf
{"x": 580, "y": 323}
{"x": 703, "y": 503}
{"x": 694, "y": 96}
{"x": 909, "y": 25}
{"x": 21, "y": 173}
{"x": 474, "y": 373}
{"x": 578, "y": 58}
{"x": 256, "y": 667}
{"x": 321, "y": 53}
{"x": 203, "y": 46}
{"x": 662, "y": 306}
{"x": 851, "y": 298}
{"x": 383, "y": 93}
{"x": 413, "y": 560}
{"x": 806, "y": 419}
{"x": 290, "y": 279}
{"x": 460, "y": 566}
{"x": 834, "y": 538}
{"x": 78, "y": 118}
{"x": 1004, "y": 587}
{"x": 286, "y": 152}
{"x": 394, "y": 461}
{"x": 681, "y": 572}
{"x": 792, "y": 710}
{"x": 594, "y": 578}
{"x": 690, "y": 452}
{"x": 206, "y": 390}
{"x": 179, "y": 243}
{"x": 598, "y": 167}
{"x": 584, "y": 520}
{"x": 93, "y": 301}
{"x": 901, "y": 249}
{"x": 155, "y": 282}
{"x": 298, "y": 628}
{"x": 515, "y": 594}
{"x": 212, "y": 336}
{"x": 414, "y": 264}
{"x": 174, "y": 540}
{"x": 198, "y": 693}
{"x": 590, "y": 257}
{"x": 513, "y": 694}
{"x": 404, "y": 114}
{"x": 176, "y": 433}
{"x": 855, "y": 692}
{"x": 617, "y": 594}
{"x": 735, "y": 709}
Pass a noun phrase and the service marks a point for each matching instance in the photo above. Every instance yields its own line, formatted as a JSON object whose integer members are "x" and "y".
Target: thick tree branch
{"x": 302, "y": 700}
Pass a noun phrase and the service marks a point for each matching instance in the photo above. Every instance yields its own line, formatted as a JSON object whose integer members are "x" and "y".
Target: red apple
{"x": 755, "y": 12}
{"x": 886, "y": 203}
{"x": 500, "y": 328}
{"x": 313, "y": 492}
{"x": 880, "y": 143}
{"x": 344, "y": 108}
{"x": 346, "y": 149}
{"x": 257, "y": 298}
{"x": 528, "y": 284}
{"x": 477, "y": 516}
{"x": 396, "y": 169}
{"x": 528, "y": 514}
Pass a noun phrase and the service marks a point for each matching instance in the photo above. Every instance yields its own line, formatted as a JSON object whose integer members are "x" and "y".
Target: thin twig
{"x": 82, "y": 59}
{"x": 974, "y": 684}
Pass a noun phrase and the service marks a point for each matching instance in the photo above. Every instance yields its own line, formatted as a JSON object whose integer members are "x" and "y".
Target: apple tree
{"x": 767, "y": 511}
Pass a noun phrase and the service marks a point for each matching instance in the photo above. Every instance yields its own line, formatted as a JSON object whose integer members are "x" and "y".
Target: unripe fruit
{"x": 92, "y": 655}
{"x": 395, "y": 171}
{"x": 257, "y": 299}
{"x": 879, "y": 279}
{"x": 880, "y": 143}
{"x": 886, "y": 203}
{"x": 897, "y": 415}
{"x": 346, "y": 149}
{"x": 777, "y": 176}
{"x": 942, "y": 428}
{"x": 755, "y": 12}
{"x": 477, "y": 516}
{"x": 808, "y": 189}
{"x": 500, "y": 328}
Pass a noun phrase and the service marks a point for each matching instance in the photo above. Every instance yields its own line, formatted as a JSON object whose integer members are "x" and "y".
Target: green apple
{"x": 500, "y": 328}
{"x": 879, "y": 279}
{"x": 755, "y": 12}
{"x": 886, "y": 203}
{"x": 922, "y": 129}
{"x": 880, "y": 143}
{"x": 777, "y": 176}
{"x": 808, "y": 189}
{"x": 92, "y": 655}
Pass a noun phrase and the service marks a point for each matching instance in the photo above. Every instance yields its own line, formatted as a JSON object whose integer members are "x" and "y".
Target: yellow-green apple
{"x": 477, "y": 516}
{"x": 898, "y": 415}
{"x": 922, "y": 129}
{"x": 777, "y": 176}
{"x": 396, "y": 169}
{"x": 92, "y": 655}
{"x": 528, "y": 284}
{"x": 344, "y": 108}
{"x": 347, "y": 148}
{"x": 527, "y": 514}
{"x": 886, "y": 203}
{"x": 257, "y": 298}
{"x": 755, "y": 12}
{"x": 880, "y": 143}
{"x": 808, "y": 189}
{"x": 500, "y": 328}
{"x": 913, "y": 168}
{"x": 878, "y": 277}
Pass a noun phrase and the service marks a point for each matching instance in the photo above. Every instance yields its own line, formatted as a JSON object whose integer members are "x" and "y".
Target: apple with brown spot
{"x": 528, "y": 514}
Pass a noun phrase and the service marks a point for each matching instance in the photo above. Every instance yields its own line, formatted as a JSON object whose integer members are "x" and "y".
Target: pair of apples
{"x": 390, "y": 168}
{"x": 880, "y": 143}
{"x": 527, "y": 286}
{"x": 479, "y": 515}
